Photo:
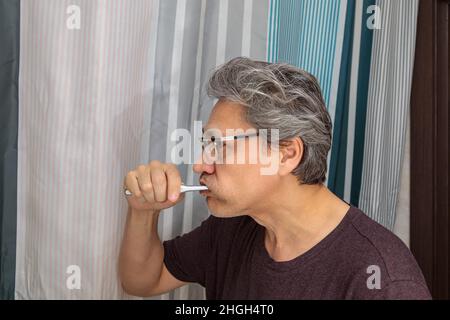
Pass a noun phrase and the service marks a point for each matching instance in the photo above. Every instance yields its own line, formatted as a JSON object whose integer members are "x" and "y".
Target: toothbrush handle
{"x": 183, "y": 189}
{"x": 192, "y": 188}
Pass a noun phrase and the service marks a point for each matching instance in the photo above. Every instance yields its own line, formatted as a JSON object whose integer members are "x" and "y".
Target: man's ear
{"x": 291, "y": 154}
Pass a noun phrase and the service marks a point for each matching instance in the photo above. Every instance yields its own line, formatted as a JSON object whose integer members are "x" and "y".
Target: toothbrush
{"x": 183, "y": 189}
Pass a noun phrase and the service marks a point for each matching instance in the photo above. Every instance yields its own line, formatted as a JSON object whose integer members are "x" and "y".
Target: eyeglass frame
{"x": 213, "y": 139}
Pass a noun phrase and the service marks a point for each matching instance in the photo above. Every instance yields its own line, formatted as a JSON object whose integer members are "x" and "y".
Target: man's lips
{"x": 203, "y": 182}
{"x": 204, "y": 192}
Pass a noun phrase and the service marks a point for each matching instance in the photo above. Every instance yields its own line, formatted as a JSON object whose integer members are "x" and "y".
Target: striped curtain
{"x": 96, "y": 101}
{"x": 365, "y": 71}
{"x": 388, "y": 104}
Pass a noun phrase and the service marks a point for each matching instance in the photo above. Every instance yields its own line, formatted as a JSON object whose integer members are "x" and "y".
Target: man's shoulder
{"x": 373, "y": 243}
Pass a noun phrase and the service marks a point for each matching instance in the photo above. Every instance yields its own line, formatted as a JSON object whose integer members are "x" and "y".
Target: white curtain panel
{"x": 103, "y": 83}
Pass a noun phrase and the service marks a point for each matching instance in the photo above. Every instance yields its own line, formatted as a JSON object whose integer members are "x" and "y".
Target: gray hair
{"x": 280, "y": 96}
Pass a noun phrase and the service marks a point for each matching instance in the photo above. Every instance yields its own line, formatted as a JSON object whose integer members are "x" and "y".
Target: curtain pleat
{"x": 9, "y": 108}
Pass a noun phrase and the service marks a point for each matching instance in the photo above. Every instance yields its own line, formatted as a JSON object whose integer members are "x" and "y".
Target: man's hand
{"x": 155, "y": 186}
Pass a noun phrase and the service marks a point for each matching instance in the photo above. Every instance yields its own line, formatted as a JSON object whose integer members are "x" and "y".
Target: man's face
{"x": 234, "y": 189}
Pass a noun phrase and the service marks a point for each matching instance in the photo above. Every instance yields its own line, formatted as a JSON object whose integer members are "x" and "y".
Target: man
{"x": 270, "y": 236}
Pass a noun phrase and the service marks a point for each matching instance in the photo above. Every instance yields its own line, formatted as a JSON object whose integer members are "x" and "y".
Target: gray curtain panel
{"x": 388, "y": 109}
{"x": 95, "y": 103}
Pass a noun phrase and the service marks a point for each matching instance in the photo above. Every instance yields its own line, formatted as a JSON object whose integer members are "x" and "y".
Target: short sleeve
{"x": 404, "y": 290}
{"x": 187, "y": 256}
{"x": 412, "y": 288}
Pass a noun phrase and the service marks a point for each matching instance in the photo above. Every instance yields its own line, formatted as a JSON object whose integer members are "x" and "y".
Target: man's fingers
{"x": 132, "y": 184}
{"x": 173, "y": 182}
{"x": 154, "y": 186}
{"x": 145, "y": 183}
{"x": 159, "y": 184}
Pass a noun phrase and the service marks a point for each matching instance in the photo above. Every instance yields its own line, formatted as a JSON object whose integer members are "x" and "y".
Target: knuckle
{"x": 155, "y": 163}
{"x": 171, "y": 166}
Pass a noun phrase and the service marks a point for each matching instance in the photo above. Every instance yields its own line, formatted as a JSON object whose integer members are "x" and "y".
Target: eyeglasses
{"x": 214, "y": 146}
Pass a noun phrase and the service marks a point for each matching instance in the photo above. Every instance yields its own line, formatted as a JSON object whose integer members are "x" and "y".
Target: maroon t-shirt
{"x": 359, "y": 259}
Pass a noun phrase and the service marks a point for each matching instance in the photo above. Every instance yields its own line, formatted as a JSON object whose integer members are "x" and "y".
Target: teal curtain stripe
{"x": 9, "y": 112}
{"x": 271, "y": 29}
{"x": 336, "y": 176}
{"x": 277, "y": 34}
{"x": 332, "y": 45}
{"x": 273, "y": 32}
{"x": 361, "y": 107}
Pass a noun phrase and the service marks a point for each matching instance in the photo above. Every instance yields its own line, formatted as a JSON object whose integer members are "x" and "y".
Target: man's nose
{"x": 203, "y": 166}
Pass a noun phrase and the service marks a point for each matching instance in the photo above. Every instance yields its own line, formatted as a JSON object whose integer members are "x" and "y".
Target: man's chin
{"x": 221, "y": 210}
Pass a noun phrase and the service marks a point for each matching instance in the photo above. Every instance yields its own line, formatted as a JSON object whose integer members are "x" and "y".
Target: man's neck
{"x": 298, "y": 217}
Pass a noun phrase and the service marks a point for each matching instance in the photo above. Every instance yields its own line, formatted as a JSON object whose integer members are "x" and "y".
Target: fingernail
{"x": 173, "y": 197}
